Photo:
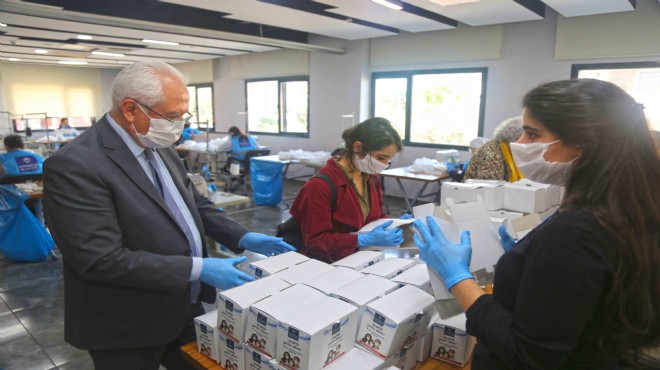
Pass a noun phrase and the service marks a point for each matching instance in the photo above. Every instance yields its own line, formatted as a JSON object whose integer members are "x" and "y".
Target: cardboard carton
{"x": 499, "y": 217}
{"x": 233, "y": 304}
{"x": 395, "y": 320}
{"x": 491, "y": 193}
{"x": 356, "y": 359}
{"x": 451, "y": 343}
{"x": 521, "y": 226}
{"x": 529, "y": 196}
{"x": 389, "y": 267}
{"x": 316, "y": 334}
{"x": 333, "y": 279}
{"x": 231, "y": 353}
{"x": 264, "y": 316}
{"x": 361, "y": 259}
{"x": 405, "y": 358}
{"x": 208, "y": 337}
{"x": 417, "y": 276}
{"x": 426, "y": 341}
{"x": 364, "y": 290}
{"x": 396, "y": 222}
{"x": 303, "y": 271}
{"x": 274, "y": 264}
{"x": 255, "y": 360}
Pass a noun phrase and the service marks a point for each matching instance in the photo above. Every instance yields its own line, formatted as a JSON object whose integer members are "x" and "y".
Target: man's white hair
{"x": 510, "y": 130}
{"x": 142, "y": 81}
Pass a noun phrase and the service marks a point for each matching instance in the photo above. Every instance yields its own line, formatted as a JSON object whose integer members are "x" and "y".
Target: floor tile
{"x": 43, "y": 318}
{"x": 24, "y": 354}
{"x": 24, "y": 275}
{"x": 32, "y": 296}
{"x": 59, "y": 351}
{"x": 11, "y": 329}
{"x": 4, "y": 309}
{"x": 81, "y": 363}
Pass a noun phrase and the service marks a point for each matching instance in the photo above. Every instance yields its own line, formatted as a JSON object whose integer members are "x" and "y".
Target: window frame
{"x": 279, "y": 132}
{"x": 409, "y": 77}
{"x": 576, "y": 68}
{"x": 211, "y": 125}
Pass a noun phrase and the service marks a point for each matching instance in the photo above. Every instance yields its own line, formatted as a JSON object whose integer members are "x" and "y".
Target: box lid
{"x": 402, "y": 303}
{"x": 303, "y": 271}
{"x": 358, "y": 258}
{"x": 416, "y": 275}
{"x": 278, "y": 263}
{"x": 282, "y": 301}
{"x": 456, "y": 322}
{"x": 365, "y": 289}
{"x": 356, "y": 359}
{"x": 249, "y": 293}
{"x": 208, "y": 319}
{"x": 388, "y": 266}
{"x": 317, "y": 315}
{"x": 333, "y": 279}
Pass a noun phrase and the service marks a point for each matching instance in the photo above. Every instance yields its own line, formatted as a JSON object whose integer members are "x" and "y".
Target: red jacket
{"x": 326, "y": 234}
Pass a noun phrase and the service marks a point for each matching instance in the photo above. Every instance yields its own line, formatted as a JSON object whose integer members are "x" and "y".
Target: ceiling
{"x": 206, "y": 29}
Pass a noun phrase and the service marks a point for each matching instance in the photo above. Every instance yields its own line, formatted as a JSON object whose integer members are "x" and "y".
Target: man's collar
{"x": 125, "y": 136}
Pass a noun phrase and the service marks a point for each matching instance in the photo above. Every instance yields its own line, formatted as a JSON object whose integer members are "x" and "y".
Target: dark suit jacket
{"x": 126, "y": 264}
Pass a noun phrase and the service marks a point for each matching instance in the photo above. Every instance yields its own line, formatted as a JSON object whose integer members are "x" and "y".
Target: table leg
{"x": 419, "y": 193}
{"x": 405, "y": 196}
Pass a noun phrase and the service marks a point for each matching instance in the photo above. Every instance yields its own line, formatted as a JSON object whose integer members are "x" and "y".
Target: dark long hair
{"x": 235, "y": 131}
{"x": 374, "y": 134}
{"x": 616, "y": 179}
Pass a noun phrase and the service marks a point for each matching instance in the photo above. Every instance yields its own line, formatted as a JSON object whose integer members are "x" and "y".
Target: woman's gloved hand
{"x": 265, "y": 244}
{"x": 221, "y": 273}
{"x": 405, "y": 216}
{"x": 381, "y": 237}
{"x": 505, "y": 239}
{"x": 450, "y": 261}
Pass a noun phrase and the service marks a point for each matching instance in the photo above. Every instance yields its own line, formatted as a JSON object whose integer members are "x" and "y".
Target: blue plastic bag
{"x": 22, "y": 237}
{"x": 266, "y": 177}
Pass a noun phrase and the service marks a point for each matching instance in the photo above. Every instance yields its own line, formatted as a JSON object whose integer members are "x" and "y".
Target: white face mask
{"x": 369, "y": 165}
{"x": 530, "y": 160}
{"x": 162, "y": 133}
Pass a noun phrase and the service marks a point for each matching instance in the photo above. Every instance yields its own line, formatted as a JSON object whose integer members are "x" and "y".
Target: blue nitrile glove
{"x": 450, "y": 261}
{"x": 405, "y": 216}
{"x": 265, "y": 244}
{"x": 381, "y": 237}
{"x": 505, "y": 239}
{"x": 221, "y": 273}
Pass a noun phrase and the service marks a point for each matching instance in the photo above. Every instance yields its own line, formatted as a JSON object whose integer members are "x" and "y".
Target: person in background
{"x": 131, "y": 226}
{"x": 328, "y": 230}
{"x": 64, "y": 123}
{"x": 239, "y": 143}
{"x": 18, "y": 161}
{"x": 493, "y": 161}
{"x": 581, "y": 290}
{"x": 458, "y": 173}
{"x": 187, "y": 132}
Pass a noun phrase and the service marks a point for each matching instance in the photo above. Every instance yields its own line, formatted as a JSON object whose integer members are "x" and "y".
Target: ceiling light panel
{"x": 482, "y": 13}
{"x": 572, "y": 8}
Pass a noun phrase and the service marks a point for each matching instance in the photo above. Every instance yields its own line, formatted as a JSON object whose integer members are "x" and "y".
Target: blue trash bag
{"x": 266, "y": 177}
{"x": 22, "y": 237}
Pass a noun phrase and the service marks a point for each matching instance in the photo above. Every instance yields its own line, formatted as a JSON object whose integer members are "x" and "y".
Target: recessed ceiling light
{"x": 41, "y": 51}
{"x": 160, "y": 42}
{"x": 72, "y": 62}
{"x": 84, "y": 37}
{"x": 107, "y": 54}
{"x": 3, "y": 25}
{"x": 392, "y": 4}
{"x": 453, "y": 2}
{"x": 14, "y": 59}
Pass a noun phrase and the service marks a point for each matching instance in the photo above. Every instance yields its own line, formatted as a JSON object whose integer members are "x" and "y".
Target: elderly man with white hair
{"x": 493, "y": 160}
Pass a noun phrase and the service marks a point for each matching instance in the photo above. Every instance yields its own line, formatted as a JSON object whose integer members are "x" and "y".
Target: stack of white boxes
{"x": 451, "y": 343}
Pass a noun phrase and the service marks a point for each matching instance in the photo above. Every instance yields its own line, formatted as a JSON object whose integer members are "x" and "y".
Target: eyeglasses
{"x": 185, "y": 117}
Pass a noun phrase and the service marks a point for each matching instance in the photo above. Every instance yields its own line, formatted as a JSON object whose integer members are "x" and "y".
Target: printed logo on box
{"x": 335, "y": 328}
{"x": 230, "y": 344}
{"x": 418, "y": 317}
{"x": 256, "y": 357}
{"x": 371, "y": 263}
{"x": 379, "y": 319}
{"x": 450, "y": 332}
{"x": 229, "y": 306}
{"x": 258, "y": 273}
{"x": 294, "y": 333}
{"x": 202, "y": 327}
{"x": 262, "y": 319}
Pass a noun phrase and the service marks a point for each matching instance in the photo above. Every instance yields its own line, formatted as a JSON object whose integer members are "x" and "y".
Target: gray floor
{"x": 32, "y": 305}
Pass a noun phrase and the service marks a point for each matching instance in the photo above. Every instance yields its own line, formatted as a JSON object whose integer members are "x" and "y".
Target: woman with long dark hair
{"x": 582, "y": 290}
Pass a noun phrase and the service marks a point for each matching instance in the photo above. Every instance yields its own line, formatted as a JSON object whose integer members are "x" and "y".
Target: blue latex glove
{"x": 505, "y": 239}
{"x": 265, "y": 244}
{"x": 450, "y": 261}
{"x": 381, "y": 237}
{"x": 405, "y": 216}
{"x": 221, "y": 273}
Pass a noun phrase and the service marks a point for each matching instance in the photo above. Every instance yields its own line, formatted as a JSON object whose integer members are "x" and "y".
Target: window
{"x": 278, "y": 106}
{"x": 436, "y": 108}
{"x": 640, "y": 80}
{"x": 201, "y": 105}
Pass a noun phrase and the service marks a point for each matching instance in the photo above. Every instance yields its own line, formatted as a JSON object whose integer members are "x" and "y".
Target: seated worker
{"x": 187, "y": 133}
{"x": 493, "y": 160}
{"x": 239, "y": 143}
{"x": 64, "y": 123}
{"x": 65, "y": 131}
{"x": 327, "y": 229}
{"x": 458, "y": 173}
{"x": 21, "y": 162}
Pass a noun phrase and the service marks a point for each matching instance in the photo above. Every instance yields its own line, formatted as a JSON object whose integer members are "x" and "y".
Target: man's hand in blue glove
{"x": 221, "y": 273}
{"x": 505, "y": 239}
{"x": 265, "y": 244}
{"x": 381, "y": 237}
{"x": 450, "y": 261}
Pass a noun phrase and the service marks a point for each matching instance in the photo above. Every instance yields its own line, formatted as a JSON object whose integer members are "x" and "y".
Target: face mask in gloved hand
{"x": 530, "y": 160}
{"x": 162, "y": 133}
{"x": 369, "y": 165}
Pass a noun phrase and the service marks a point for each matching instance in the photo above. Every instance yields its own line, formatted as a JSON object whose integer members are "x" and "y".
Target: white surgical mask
{"x": 369, "y": 165}
{"x": 162, "y": 133}
{"x": 530, "y": 160}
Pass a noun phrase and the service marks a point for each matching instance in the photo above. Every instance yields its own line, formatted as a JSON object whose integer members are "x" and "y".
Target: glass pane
{"x": 205, "y": 104}
{"x": 294, "y": 107}
{"x": 643, "y": 84}
{"x": 262, "y": 106}
{"x": 390, "y": 101}
{"x": 445, "y": 108}
{"x": 192, "y": 106}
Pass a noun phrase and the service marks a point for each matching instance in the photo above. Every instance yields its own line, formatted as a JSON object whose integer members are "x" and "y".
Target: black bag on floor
{"x": 289, "y": 230}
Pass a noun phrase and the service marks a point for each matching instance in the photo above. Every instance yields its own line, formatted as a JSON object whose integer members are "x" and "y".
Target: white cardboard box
{"x": 395, "y": 320}
{"x": 530, "y": 197}
{"x": 405, "y": 358}
{"x": 231, "y": 353}
{"x": 451, "y": 343}
{"x": 356, "y": 359}
{"x": 361, "y": 259}
{"x": 492, "y": 194}
{"x": 255, "y": 360}
{"x": 521, "y": 226}
{"x": 208, "y": 337}
{"x": 404, "y": 224}
{"x": 303, "y": 271}
{"x": 233, "y": 304}
{"x": 333, "y": 279}
{"x": 365, "y": 290}
{"x": 426, "y": 341}
{"x": 389, "y": 267}
{"x": 274, "y": 264}
{"x": 317, "y": 333}
{"x": 417, "y": 276}
{"x": 263, "y": 316}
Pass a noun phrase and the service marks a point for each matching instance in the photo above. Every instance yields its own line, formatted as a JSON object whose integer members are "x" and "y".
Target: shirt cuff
{"x": 196, "y": 271}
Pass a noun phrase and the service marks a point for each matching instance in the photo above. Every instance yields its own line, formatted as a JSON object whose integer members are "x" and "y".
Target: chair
{"x": 244, "y": 176}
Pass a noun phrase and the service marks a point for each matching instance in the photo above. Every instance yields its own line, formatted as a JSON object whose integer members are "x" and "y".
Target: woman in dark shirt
{"x": 582, "y": 290}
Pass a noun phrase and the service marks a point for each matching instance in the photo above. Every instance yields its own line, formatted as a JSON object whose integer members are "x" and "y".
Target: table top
{"x": 222, "y": 199}
{"x": 198, "y": 361}
{"x": 402, "y": 172}
{"x": 274, "y": 158}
